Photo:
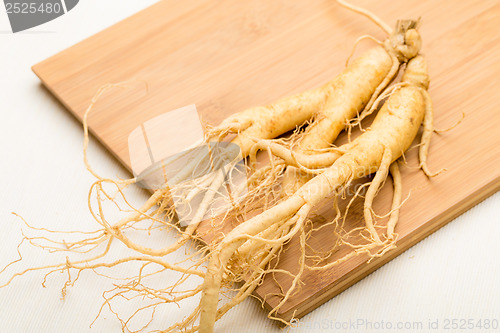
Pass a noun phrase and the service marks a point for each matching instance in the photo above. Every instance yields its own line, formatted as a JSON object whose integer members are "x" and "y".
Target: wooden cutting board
{"x": 225, "y": 56}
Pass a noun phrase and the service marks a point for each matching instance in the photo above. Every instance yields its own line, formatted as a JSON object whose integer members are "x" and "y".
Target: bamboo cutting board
{"x": 228, "y": 55}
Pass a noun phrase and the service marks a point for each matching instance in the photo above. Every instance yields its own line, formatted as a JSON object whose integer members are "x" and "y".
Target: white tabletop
{"x": 451, "y": 277}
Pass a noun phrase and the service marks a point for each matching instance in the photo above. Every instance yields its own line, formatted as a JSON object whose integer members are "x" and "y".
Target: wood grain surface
{"x": 225, "y": 56}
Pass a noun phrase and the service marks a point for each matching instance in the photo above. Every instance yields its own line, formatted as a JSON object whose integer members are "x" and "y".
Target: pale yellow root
{"x": 150, "y": 203}
{"x": 358, "y": 40}
{"x": 458, "y": 122}
{"x": 428, "y": 128}
{"x": 115, "y": 231}
{"x": 380, "y": 177}
{"x": 135, "y": 258}
{"x": 368, "y": 111}
{"x": 267, "y": 122}
{"x": 102, "y": 90}
{"x": 296, "y": 159}
{"x": 296, "y": 205}
{"x": 368, "y": 14}
{"x": 254, "y": 279}
{"x": 185, "y": 236}
{"x": 251, "y": 283}
{"x": 391, "y": 133}
{"x": 296, "y": 279}
{"x": 388, "y": 78}
{"x": 367, "y": 73}
{"x": 247, "y": 249}
{"x": 228, "y": 246}
{"x": 396, "y": 201}
{"x": 354, "y": 87}
{"x": 208, "y": 197}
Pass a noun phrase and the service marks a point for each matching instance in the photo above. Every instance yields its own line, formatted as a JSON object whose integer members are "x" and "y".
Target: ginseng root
{"x": 390, "y": 135}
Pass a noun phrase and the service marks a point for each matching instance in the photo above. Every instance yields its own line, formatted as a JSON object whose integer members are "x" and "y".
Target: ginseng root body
{"x": 390, "y": 135}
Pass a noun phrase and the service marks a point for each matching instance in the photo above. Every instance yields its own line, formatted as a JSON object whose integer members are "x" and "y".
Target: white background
{"x": 453, "y": 274}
